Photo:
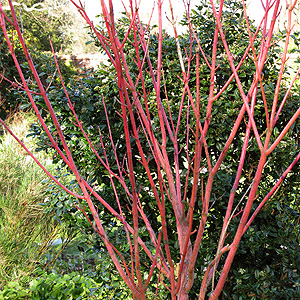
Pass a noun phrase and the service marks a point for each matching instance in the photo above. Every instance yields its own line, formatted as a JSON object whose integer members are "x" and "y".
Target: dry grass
{"x": 24, "y": 226}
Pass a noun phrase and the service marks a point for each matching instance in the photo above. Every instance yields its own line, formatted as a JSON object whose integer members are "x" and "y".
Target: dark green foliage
{"x": 38, "y": 26}
{"x": 267, "y": 265}
{"x": 259, "y": 274}
{"x": 11, "y": 96}
{"x": 9, "y": 101}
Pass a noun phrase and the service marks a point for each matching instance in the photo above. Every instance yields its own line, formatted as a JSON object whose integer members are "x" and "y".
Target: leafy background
{"x": 267, "y": 263}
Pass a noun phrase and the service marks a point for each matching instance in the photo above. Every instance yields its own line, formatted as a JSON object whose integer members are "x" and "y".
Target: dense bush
{"x": 38, "y": 26}
{"x": 266, "y": 253}
{"x": 53, "y": 286}
{"x": 95, "y": 98}
{"x": 10, "y": 96}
